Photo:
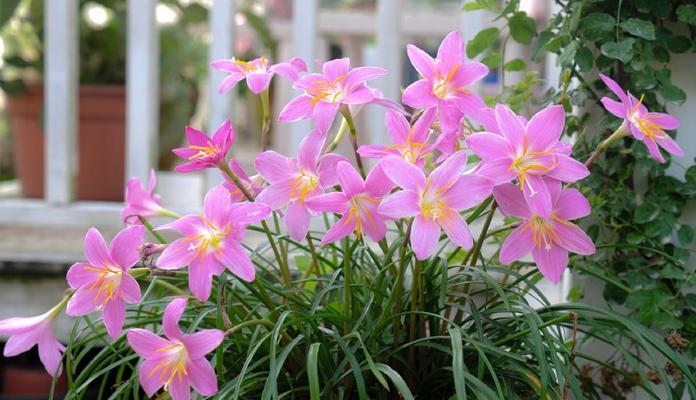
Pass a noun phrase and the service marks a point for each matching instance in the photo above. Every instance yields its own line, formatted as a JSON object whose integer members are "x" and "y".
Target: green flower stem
{"x": 265, "y": 119}
{"x": 283, "y": 266}
{"x": 152, "y": 230}
{"x": 246, "y": 324}
{"x": 171, "y": 287}
{"x": 61, "y": 304}
{"x": 314, "y": 265}
{"x": 339, "y": 136}
{"x": 169, "y": 213}
{"x": 413, "y": 319}
{"x": 353, "y": 139}
{"x": 398, "y": 287}
{"x": 618, "y": 134}
{"x": 347, "y": 307}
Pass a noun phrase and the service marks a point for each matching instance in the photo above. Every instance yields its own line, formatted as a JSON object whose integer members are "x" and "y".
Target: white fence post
{"x": 221, "y": 18}
{"x": 61, "y": 78}
{"x": 142, "y": 83}
{"x": 304, "y": 41}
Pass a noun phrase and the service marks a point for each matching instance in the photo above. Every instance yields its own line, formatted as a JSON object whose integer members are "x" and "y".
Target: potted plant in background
{"x": 102, "y": 93}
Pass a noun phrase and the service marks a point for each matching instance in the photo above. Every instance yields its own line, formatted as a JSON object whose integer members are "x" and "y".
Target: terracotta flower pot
{"x": 101, "y": 141}
{"x": 19, "y": 381}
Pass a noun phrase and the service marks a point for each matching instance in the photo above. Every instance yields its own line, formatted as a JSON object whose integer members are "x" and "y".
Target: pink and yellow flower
{"x": 103, "y": 282}
{"x": 529, "y": 153}
{"x": 410, "y": 142}
{"x": 204, "y": 151}
{"x": 549, "y": 239}
{"x": 324, "y": 93}
{"x": 435, "y": 201}
{"x": 178, "y": 361}
{"x": 141, "y": 202}
{"x": 648, "y": 127}
{"x": 294, "y": 181}
{"x": 26, "y": 332}
{"x": 258, "y": 73}
{"x": 212, "y": 242}
{"x": 444, "y": 82}
{"x": 357, "y": 202}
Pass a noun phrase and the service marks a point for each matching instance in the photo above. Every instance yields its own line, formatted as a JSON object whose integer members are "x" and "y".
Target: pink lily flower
{"x": 258, "y": 73}
{"x": 324, "y": 93}
{"x": 294, "y": 181}
{"x": 528, "y": 153}
{"x": 212, "y": 241}
{"x": 435, "y": 201}
{"x": 357, "y": 203}
{"x": 253, "y": 184}
{"x": 141, "y": 202}
{"x": 648, "y": 127}
{"x": 103, "y": 282}
{"x": 410, "y": 142}
{"x": 549, "y": 239}
{"x": 26, "y": 332}
{"x": 444, "y": 82}
{"x": 178, "y": 361}
{"x": 204, "y": 151}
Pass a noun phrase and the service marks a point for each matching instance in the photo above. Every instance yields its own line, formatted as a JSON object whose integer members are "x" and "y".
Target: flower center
{"x": 531, "y": 163}
{"x": 442, "y": 86}
{"x": 361, "y": 208}
{"x": 302, "y": 186}
{"x": 432, "y": 205}
{"x": 107, "y": 283}
{"x": 248, "y": 68}
{"x": 543, "y": 233}
{"x": 209, "y": 239}
{"x": 410, "y": 151}
{"x": 330, "y": 92}
{"x": 205, "y": 152}
{"x": 173, "y": 365}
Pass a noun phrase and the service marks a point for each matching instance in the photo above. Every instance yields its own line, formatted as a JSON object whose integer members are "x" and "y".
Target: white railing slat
{"x": 61, "y": 79}
{"x": 142, "y": 82}
{"x": 304, "y": 40}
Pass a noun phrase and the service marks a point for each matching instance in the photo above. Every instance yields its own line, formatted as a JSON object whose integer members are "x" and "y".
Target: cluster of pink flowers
{"x": 425, "y": 178}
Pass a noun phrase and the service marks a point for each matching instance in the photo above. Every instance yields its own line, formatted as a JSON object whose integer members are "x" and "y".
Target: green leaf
{"x": 687, "y": 13}
{"x": 483, "y": 40}
{"x": 568, "y": 54}
{"x": 540, "y": 44}
{"x": 312, "y": 371}
{"x": 479, "y": 5}
{"x": 622, "y": 50}
{"x": 646, "y": 212}
{"x": 673, "y": 93}
{"x": 397, "y": 380}
{"x": 685, "y": 234}
{"x": 597, "y": 26}
{"x": 678, "y": 44}
{"x": 492, "y": 60}
{"x": 515, "y": 65}
{"x": 458, "y": 367}
{"x": 640, "y": 28}
{"x": 666, "y": 321}
{"x": 522, "y": 27}
{"x": 7, "y": 11}
{"x": 584, "y": 59}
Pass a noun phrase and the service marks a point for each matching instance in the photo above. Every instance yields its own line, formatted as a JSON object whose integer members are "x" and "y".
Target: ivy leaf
{"x": 522, "y": 27}
{"x": 646, "y": 212}
{"x": 687, "y": 13}
{"x": 492, "y": 60}
{"x": 584, "y": 59}
{"x": 672, "y": 93}
{"x": 479, "y": 5}
{"x": 639, "y": 27}
{"x": 568, "y": 54}
{"x": 515, "y": 65}
{"x": 666, "y": 321}
{"x": 685, "y": 234}
{"x": 597, "y": 26}
{"x": 483, "y": 40}
{"x": 622, "y": 51}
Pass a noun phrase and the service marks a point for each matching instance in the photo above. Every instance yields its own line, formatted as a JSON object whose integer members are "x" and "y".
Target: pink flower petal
{"x": 172, "y": 314}
{"x": 378, "y": 183}
{"x": 146, "y": 343}
{"x": 344, "y": 227}
{"x": 176, "y": 255}
{"x": 290, "y": 69}
{"x": 572, "y": 205}
{"x": 489, "y": 146}
{"x": 468, "y": 191}
{"x": 95, "y": 248}
{"x": 14, "y": 325}
{"x": 544, "y": 129}
{"x": 537, "y": 195}
{"x": 247, "y": 213}
{"x": 202, "y": 377}
{"x": 498, "y": 170}
{"x": 614, "y": 87}
{"x": 275, "y": 167}
{"x": 375, "y": 151}
{"x": 457, "y": 231}
{"x": 79, "y": 276}
{"x": 551, "y": 262}
{"x": 572, "y": 238}
{"x": 335, "y": 69}
{"x": 360, "y": 75}
{"x": 298, "y": 108}
{"x": 327, "y": 169}
{"x": 401, "y": 204}
{"x": 419, "y": 94}
{"x": 150, "y": 382}
{"x": 196, "y": 137}
{"x": 374, "y": 226}
{"x": 224, "y": 136}
{"x": 666, "y": 121}
{"x": 130, "y": 289}
{"x": 671, "y": 146}
{"x": 616, "y": 108}
{"x": 422, "y": 62}
{"x": 447, "y": 173}
{"x": 187, "y": 225}
{"x": 470, "y": 73}
{"x": 125, "y": 246}
{"x": 309, "y": 150}
{"x": 276, "y": 195}
{"x": 336, "y": 202}
{"x": 114, "y": 316}
{"x": 258, "y": 82}
{"x": 50, "y": 353}
{"x": 297, "y": 220}
{"x": 467, "y": 103}
{"x": 568, "y": 169}
{"x": 20, "y": 343}
{"x": 654, "y": 150}
{"x": 517, "y": 245}
{"x": 225, "y": 65}
{"x": 510, "y": 125}
{"x": 200, "y": 278}
{"x": 398, "y": 127}
{"x": 403, "y": 174}
{"x": 180, "y": 388}
{"x": 202, "y": 342}
{"x": 216, "y": 206}
{"x": 350, "y": 180}
{"x": 360, "y": 94}
{"x": 82, "y": 302}
{"x": 233, "y": 256}
{"x": 324, "y": 115}
{"x": 511, "y": 201}
{"x": 230, "y": 81}
{"x": 425, "y": 233}
{"x": 451, "y": 51}
{"x": 421, "y": 129}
